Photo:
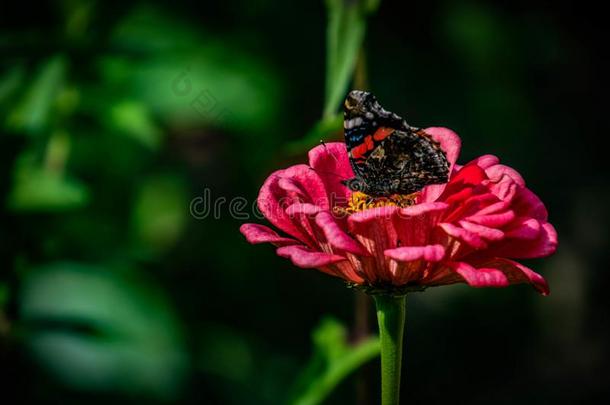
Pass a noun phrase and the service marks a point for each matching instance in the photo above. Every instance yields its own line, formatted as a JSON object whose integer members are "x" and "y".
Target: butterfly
{"x": 387, "y": 155}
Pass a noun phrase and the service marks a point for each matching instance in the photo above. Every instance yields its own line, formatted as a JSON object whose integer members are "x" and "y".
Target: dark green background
{"x": 112, "y": 291}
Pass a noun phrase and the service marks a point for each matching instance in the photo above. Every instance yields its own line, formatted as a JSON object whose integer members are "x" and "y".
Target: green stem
{"x": 391, "y": 313}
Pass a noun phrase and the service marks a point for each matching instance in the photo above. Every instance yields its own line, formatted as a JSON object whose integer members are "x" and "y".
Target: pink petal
{"x": 331, "y": 163}
{"x": 463, "y": 235}
{"x": 304, "y": 257}
{"x": 470, "y": 174}
{"x": 543, "y": 246}
{"x": 524, "y": 228}
{"x": 486, "y": 161}
{"x": 517, "y": 273}
{"x": 496, "y": 172}
{"x": 480, "y": 277}
{"x": 471, "y": 205}
{"x": 291, "y": 187}
{"x": 256, "y": 233}
{"x": 302, "y": 209}
{"x": 527, "y": 204}
{"x": 451, "y": 144}
{"x": 310, "y": 183}
{"x": 371, "y": 215}
{"x": 273, "y": 198}
{"x": 375, "y": 231}
{"x": 336, "y": 236}
{"x": 492, "y": 220}
{"x": 494, "y": 208}
{"x": 430, "y": 253}
{"x": 421, "y": 209}
{"x": 483, "y": 231}
{"x": 505, "y": 189}
{"x": 415, "y": 224}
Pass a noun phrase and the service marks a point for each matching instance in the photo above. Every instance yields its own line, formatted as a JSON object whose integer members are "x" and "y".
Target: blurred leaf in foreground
{"x": 102, "y": 329}
{"x": 34, "y": 110}
{"x": 36, "y": 188}
{"x": 188, "y": 77}
{"x": 344, "y": 37}
{"x": 334, "y": 358}
{"x": 133, "y": 119}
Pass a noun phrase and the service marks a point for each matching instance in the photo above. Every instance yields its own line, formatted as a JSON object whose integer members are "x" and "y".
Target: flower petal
{"x": 517, "y": 273}
{"x": 496, "y": 172}
{"x": 331, "y": 163}
{"x": 310, "y": 182}
{"x": 543, "y": 246}
{"x": 299, "y": 184}
{"x": 527, "y": 204}
{"x": 374, "y": 229}
{"x": 492, "y": 220}
{"x": 371, "y": 215}
{"x": 430, "y": 253}
{"x": 256, "y": 233}
{"x": 415, "y": 224}
{"x": 302, "y": 256}
{"x": 486, "y": 161}
{"x": 480, "y": 277}
{"x": 336, "y": 236}
{"x": 463, "y": 235}
{"x": 483, "y": 231}
{"x": 302, "y": 209}
{"x": 524, "y": 228}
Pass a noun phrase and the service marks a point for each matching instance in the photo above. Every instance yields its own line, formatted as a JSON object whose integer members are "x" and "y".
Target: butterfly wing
{"x": 404, "y": 161}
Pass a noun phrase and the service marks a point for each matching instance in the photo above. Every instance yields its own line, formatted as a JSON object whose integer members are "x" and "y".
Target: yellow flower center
{"x": 360, "y": 202}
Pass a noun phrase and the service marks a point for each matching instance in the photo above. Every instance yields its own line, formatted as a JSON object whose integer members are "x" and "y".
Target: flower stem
{"x": 391, "y": 311}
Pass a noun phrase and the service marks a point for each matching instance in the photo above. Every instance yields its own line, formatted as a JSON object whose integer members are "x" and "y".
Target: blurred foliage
{"x": 333, "y": 359}
{"x": 114, "y": 116}
{"x": 344, "y": 38}
{"x": 102, "y": 329}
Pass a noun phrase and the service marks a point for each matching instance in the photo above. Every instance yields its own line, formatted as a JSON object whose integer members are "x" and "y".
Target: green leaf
{"x": 198, "y": 79}
{"x": 344, "y": 37}
{"x": 102, "y": 328}
{"x": 34, "y": 110}
{"x": 332, "y": 361}
{"x": 133, "y": 119}
{"x": 37, "y": 188}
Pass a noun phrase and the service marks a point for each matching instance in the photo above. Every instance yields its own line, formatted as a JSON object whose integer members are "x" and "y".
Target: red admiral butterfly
{"x": 388, "y": 156}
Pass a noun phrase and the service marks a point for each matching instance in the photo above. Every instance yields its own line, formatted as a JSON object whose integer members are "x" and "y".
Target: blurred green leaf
{"x": 160, "y": 213}
{"x": 134, "y": 119}
{"x": 189, "y": 78}
{"x": 344, "y": 37}
{"x": 333, "y": 360}
{"x": 33, "y": 111}
{"x": 36, "y": 188}
{"x": 101, "y": 328}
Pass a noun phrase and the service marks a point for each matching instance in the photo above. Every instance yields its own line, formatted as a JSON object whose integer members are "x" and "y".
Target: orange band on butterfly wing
{"x": 382, "y": 133}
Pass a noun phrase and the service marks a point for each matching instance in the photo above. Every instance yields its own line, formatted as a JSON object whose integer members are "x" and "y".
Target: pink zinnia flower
{"x": 467, "y": 230}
